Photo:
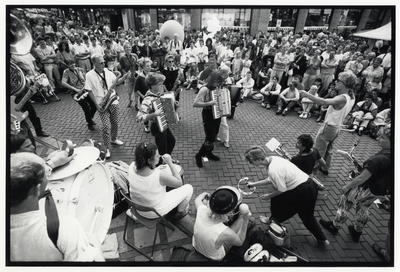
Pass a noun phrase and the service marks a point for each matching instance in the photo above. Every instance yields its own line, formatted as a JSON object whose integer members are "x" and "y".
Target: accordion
{"x": 168, "y": 117}
{"x": 223, "y": 105}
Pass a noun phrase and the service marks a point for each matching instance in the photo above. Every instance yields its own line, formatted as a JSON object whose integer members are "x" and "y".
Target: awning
{"x": 381, "y": 33}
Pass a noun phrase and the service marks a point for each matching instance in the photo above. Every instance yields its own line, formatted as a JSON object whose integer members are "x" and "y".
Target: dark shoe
{"x": 284, "y": 113}
{"x": 329, "y": 226}
{"x": 354, "y": 234}
{"x": 90, "y": 127}
{"x": 179, "y": 215}
{"x": 213, "y": 157}
{"x": 241, "y": 100}
{"x": 380, "y": 251}
{"x": 93, "y": 123}
{"x": 199, "y": 160}
{"x": 129, "y": 104}
{"x": 325, "y": 172}
{"x": 278, "y": 112}
{"x": 230, "y": 117}
{"x": 42, "y": 134}
{"x": 360, "y": 132}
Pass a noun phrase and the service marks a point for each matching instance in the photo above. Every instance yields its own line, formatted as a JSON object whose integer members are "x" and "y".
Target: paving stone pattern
{"x": 252, "y": 125}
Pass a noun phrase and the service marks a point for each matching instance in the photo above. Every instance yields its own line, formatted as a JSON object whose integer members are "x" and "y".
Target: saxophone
{"x": 108, "y": 99}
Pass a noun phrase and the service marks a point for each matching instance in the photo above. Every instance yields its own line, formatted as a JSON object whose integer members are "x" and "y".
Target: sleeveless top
{"x": 146, "y": 191}
{"x": 205, "y": 235}
{"x": 335, "y": 117}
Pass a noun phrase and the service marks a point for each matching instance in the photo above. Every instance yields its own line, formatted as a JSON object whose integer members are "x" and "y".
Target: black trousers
{"x": 165, "y": 141}
{"x": 89, "y": 108}
{"x": 211, "y": 129}
{"x": 32, "y": 116}
{"x": 300, "y": 200}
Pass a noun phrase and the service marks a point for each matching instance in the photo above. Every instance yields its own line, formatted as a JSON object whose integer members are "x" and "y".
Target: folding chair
{"x": 132, "y": 213}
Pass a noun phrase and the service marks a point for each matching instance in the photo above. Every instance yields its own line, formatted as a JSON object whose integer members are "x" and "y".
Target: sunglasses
{"x": 170, "y": 61}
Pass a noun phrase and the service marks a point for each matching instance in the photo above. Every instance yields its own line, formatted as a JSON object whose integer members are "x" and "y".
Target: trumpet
{"x": 275, "y": 146}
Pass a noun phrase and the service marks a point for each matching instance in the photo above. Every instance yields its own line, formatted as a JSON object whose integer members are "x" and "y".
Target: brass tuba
{"x": 20, "y": 44}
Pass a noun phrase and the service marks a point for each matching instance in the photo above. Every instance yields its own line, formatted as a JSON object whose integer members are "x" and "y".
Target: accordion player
{"x": 166, "y": 103}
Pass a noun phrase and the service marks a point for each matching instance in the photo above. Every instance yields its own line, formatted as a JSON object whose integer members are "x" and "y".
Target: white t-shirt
{"x": 29, "y": 240}
{"x": 94, "y": 83}
{"x": 285, "y": 175}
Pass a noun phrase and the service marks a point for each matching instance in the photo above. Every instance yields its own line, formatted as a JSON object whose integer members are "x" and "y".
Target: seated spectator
{"x": 29, "y": 236}
{"x": 287, "y": 99}
{"x": 382, "y": 119}
{"x": 211, "y": 237}
{"x": 273, "y": 88}
{"x": 364, "y": 112}
{"x": 192, "y": 75}
{"x": 147, "y": 184}
{"x": 307, "y": 104}
{"x": 375, "y": 99}
{"x": 263, "y": 76}
{"x": 248, "y": 84}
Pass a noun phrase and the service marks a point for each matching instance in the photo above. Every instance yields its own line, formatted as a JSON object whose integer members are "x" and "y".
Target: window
{"x": 375, "y": 19}
{"x": 350, "y": 17}
{"x": 282, "y": 18}
{"x": 318, "y": 17}
{"x": 226, "y": 18}
{"x": 142, "y": 19}
{"x": 182, "y": 16}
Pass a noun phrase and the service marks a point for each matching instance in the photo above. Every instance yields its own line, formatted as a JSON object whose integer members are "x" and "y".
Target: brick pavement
{"x": 252, "y": 125}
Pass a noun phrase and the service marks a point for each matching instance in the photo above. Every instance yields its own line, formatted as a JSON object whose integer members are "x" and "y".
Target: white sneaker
{"x": 218, "y": 139}
{"x": 146, "y": 129}
{"x": 108, "y": 154}
{"x": 117, "y": 142}
{"x": 301, "y": 115}
{"x": 263, "y": 105}
{"x": 226, "y": 144}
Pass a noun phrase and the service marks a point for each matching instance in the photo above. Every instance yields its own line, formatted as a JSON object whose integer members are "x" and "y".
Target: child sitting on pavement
{"x": 307, "y": 104}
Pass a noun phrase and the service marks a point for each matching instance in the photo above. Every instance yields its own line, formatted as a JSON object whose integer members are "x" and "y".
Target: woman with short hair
{"x": 147, "y": 184}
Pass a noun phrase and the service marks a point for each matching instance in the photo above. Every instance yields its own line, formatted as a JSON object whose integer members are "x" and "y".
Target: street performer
{"x": 165, "y": 140}
{"x": 74, "y": 79}
{"x": 99, "y": 82}
{"x": 295, "y": 192}
{"x": 211, "y": 125}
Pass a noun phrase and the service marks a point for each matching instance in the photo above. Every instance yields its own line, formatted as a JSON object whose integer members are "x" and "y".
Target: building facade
{"x": 265, "y": 19}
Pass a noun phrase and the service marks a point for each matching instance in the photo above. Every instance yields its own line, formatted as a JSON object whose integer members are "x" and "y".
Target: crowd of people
{"x": 323, "y": 72}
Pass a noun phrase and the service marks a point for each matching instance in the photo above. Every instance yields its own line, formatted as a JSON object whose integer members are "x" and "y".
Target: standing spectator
{"x": 313, "y": 69}
{"x": 147, "y": 50}
{"x": 281, "y": 62}
{"x": 82, "y": 54}
{"x": 328, "y": 67}
{"x": 128, "y": 63}
{"x": 47, "y": 58}
{"x": 95, "y": 47}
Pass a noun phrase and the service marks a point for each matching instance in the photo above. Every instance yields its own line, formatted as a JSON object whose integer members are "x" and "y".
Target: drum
{"x": 88, "y": 196}
{"x": 85, "y": 156}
